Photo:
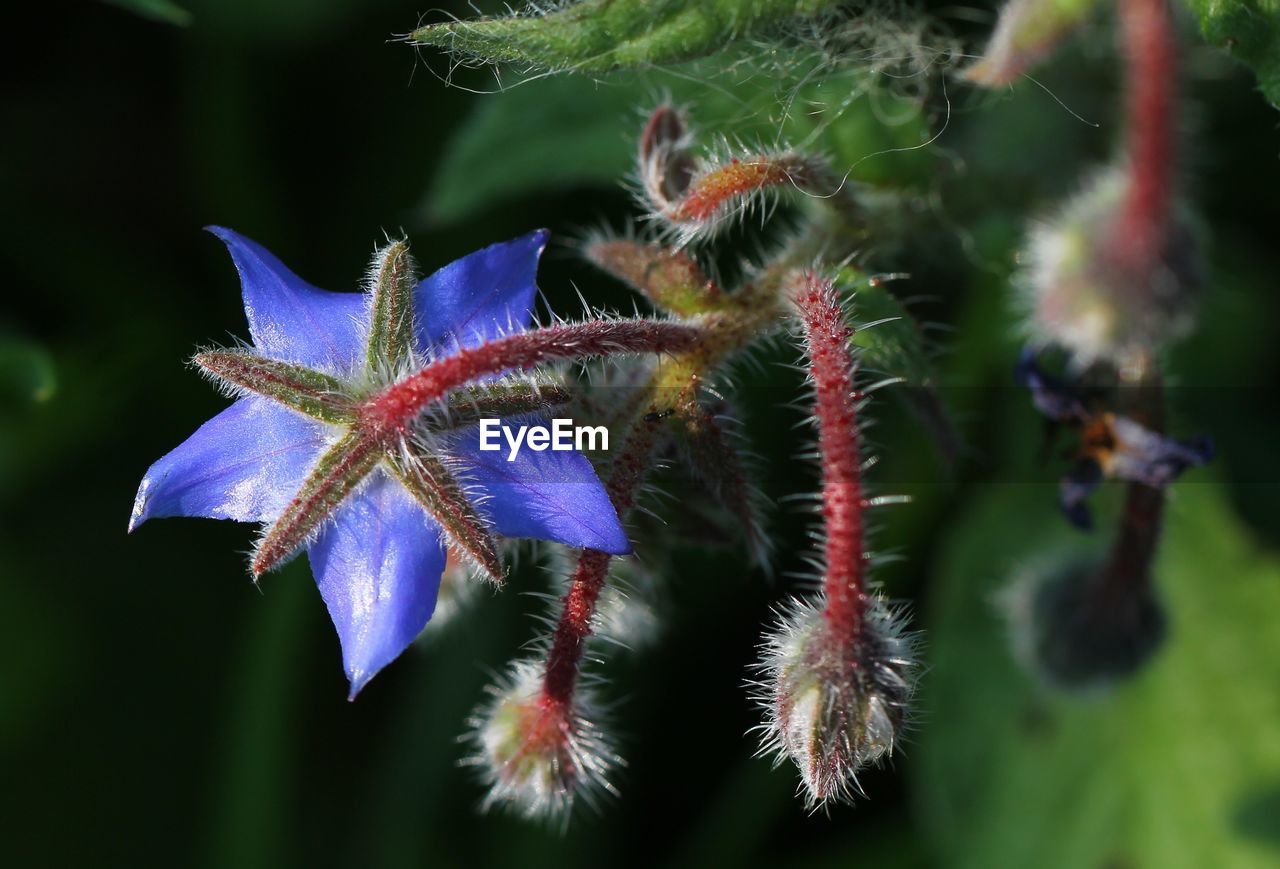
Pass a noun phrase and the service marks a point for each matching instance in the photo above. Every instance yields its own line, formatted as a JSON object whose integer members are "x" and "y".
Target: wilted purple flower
{"x": 1111, "y": 446}
{"x": 374, "y": 513}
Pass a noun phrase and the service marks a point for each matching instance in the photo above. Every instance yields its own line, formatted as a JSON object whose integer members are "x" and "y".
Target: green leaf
{"x": 596, "y": 36}
{"x": 1179, "y": 766}
{"x": 1250, "y": 31}
{"x": 26, "y": 371}
{"x": 542, "y": 135}
{"x": 157, "y": 10}
{"x": 554, "y": 133}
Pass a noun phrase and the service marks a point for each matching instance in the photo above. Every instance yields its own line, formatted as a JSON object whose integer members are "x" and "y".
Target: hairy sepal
{"x": 303, "y": 389}
{"x": 392, "y": 277}
{"x": 444, "y": 496}
{"x": 336, "y": 475}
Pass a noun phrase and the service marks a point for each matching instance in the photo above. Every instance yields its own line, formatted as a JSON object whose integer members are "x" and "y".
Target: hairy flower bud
{"x": 538, "y": 755}
{"x": 833, "y": 706}
{"x": 1078, "y": 626}
{"x": 1087, "y": 293}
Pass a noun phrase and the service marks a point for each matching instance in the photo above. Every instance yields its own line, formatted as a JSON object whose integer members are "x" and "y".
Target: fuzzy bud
{"x": 1090, "y": 292}
{"x": 539, "y": 755}
{"x": 835, "y": 706}
{"x": 1078, "y": 628}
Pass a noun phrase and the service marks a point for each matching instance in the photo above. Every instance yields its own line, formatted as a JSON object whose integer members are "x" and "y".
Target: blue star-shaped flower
{"x": 374, "y": 515}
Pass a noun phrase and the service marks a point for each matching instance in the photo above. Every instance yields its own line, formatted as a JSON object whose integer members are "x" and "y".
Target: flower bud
{"x": 537, "y": 755}
{"x": 834, "y": 705}
{"x": 1094, "y": 295}
{"x": 1080, "y": 626}
{"x": 1027, "y": 32}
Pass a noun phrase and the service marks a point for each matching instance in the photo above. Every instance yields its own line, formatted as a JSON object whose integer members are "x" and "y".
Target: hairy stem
{"x": 831, "y": 366}
{"x": 1151, "y": 88}
{"x": 587, "y": 581}
{"x": 390, "y": 412}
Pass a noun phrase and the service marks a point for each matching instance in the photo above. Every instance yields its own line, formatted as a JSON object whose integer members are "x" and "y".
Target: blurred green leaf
{"x": 556, "y": 133}
{"x": 157, "y": 10}
{"x": 1250, "y": 31}
{"x": 546, "y": 134}
{"x": 1174, "y": 768}
{"x": 26, "y": 371}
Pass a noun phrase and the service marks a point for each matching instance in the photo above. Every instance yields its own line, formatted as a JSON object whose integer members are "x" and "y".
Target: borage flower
{"x": 1111, "y": 446}
{"x": 305, "y": 449}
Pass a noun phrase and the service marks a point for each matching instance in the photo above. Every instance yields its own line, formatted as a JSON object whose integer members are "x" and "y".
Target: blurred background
{"x": 156, "y": 707}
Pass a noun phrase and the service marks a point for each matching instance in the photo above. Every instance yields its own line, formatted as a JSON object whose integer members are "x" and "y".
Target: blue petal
{"x": 378, "y": 565}
{"x": 481, "y": 296}
{"x": 291, "y": 320}
{"x": 1075, "y": 488}
{"x": 1052, "y": 396}
{"x": 551, "y": 495}
{"x": 244, "y": 464}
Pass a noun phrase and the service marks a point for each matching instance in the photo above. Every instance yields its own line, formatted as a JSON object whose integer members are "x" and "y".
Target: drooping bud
{"x": 666, "y": 167}
{"x": 833, "y": 707}
{"x": 1089, "y": 294}
{"x": 1078, "y": 629}
{"x": 1027, "y": 32}
{"x": 538, "y": 755}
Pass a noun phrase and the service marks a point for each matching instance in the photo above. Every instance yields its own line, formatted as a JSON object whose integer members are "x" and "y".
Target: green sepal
{"x": 440, "y": 493}
{"x": 671, "y": 279}
{"x": 391, "y": 335}
{"x": 336, "y": 475}
{"x": 306, "y": 390}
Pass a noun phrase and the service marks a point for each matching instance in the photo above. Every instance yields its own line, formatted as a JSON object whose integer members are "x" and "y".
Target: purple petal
{"x": 550, "y": 495}
{"x": 1052, "y": 396}
{"x": 244, "y": 464}
{"x": 291, "y": 320}
{"x": 481, "y": 296}
{"x": 378, "y": 566}
{"x": 1075, "y": 488}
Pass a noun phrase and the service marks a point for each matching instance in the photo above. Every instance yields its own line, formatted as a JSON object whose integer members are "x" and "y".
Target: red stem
{"x": 587, "y": 581}
{"x": 391, "y": 411}
{"x": 1150, "y": 85}
{"x": 831, "y": 365}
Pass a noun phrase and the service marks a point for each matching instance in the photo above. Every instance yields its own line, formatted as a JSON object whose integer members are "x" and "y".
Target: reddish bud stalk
{"x": 831, "y": 365}
{"x": 1129, "y": 564}
{"x": 579, "y": 602}
{"x": 390, "y": 412}
{"x": 1150, "y": 86}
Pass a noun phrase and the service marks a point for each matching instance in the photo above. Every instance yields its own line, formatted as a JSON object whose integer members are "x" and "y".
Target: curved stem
{"x": 391, "y": 411}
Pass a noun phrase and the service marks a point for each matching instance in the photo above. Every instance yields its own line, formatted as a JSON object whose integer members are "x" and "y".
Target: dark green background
{"x": 156, "y": 708}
